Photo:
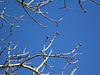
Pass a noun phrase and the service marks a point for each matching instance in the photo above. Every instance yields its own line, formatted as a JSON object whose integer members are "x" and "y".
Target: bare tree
{"x": 21, "y": 60}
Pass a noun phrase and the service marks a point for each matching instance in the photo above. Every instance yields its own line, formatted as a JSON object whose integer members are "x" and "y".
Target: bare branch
{"x": 74, "y": 70}
{"x": 95, "y": 2}
{"x": 30, "y": 2}
{"x": 8, "y": 67}
{"x": 3, "y": 1}
{"x": 38, "y": 8}
{"x": 13, "y": 17}
{"x": 50, "y": 42}
{"x": 65, "y": 6}
{"x": 82, "y": 7}
{"x": 46, "y": 64}
{"x": 12, "y": 24}
{"x": 71, "y": 51}
{"x": 28, "y": 12}
{"x": 5, "y": 48}
{"x": 56, "y": 21}
{"x": 42, "y": 4}
{"x": 6, "y": 37}
{"x": 20, "y": 65}
{"x": 44, "y": 61}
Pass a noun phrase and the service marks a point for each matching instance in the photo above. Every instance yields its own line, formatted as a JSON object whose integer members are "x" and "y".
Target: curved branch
{"x": 82, "y": 6}
{"x": 51, "y": 19}
{"x": 33, "y": 18}
{"x": 22, "y": 3}
{"x": 6, "y": 37}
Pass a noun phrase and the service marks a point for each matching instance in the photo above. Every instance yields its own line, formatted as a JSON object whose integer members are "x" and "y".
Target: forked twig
{"x": 65, "y": 6}
{"x": 44, "y": 61}
{"x": 33, "y": 18}
{"x": 50, "y": 43}
{"x": 41, "y": 4}
{"x": 12, "y": 24}
{"x": 47, "y": 65}
{"x": 12, "y": 16}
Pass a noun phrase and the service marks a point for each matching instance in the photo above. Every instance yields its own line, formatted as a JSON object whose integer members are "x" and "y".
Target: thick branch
{"x": 20, "y": 65}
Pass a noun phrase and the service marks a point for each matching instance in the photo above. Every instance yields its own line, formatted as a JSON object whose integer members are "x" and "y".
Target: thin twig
{"x": 6, "y": 37}
{"x": 70, "y": 52}
{"x": 95, "y": 2}
{"x": 74, "y": 70}
{"x": 82, "y": 7}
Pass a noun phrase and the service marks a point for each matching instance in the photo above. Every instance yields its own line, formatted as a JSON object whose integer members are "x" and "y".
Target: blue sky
{"x": 76, "y": 27}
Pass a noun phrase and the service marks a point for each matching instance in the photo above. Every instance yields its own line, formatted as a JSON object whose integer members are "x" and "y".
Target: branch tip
{"x": 80, "y": 44}
{"x": 48, "y": 36}
{"x": 17, "y": 43}
{"x": 85, "y": 11}
{"x": 57, "y": 33}
{"x": 25, "y": 46}
{"x": 2, "y": 24}
{"x": 79, "y": 59}
{"x": 51, "y": 0}
{"x": 77, "y": 67}
{"x": 51, "y": 41}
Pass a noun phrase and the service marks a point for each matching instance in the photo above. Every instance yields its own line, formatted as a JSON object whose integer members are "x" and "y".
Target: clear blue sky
{"x": 76, "y": 27}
